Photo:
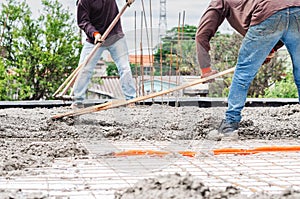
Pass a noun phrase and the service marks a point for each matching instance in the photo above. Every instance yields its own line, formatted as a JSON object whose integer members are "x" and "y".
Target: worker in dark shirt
{"x": 266, "y": 26}
{"x": 94, "y": 17}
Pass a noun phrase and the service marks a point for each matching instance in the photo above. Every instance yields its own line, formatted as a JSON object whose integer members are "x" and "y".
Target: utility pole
{"x": 162, "y": 19}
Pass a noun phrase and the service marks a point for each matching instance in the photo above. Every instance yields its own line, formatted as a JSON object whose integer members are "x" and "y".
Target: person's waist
{"x": 109, "y": 40}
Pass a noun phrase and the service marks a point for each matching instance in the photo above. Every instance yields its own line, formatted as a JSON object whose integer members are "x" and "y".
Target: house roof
{"x": 110, "y": 85}
{"x": 136, "y": 59}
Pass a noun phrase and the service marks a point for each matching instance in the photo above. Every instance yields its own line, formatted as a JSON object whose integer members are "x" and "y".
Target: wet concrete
{"x": 29, "y": 138}
{"x": 176, "y": 186}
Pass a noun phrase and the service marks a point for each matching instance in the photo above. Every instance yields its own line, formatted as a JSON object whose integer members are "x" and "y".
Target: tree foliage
{"x": 179, "y": 50}
{"x": 41, "y": 52}
{"x": 285, "y": 88}
{"x": 112, "y": 69}
{"x": 224, "y": 53}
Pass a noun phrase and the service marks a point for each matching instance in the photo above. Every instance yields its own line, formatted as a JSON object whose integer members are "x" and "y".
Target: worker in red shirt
{"x": 266, "y": 26}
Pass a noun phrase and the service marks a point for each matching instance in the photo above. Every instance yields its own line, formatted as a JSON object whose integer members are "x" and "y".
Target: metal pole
{"x": 141, "y": 59}
{"x": 135, "y": 55}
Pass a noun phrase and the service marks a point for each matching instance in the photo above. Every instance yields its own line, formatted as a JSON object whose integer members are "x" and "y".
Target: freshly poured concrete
{"x": 74, "y": 158}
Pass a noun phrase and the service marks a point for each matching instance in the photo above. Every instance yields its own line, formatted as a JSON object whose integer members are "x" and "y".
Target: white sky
{"x": 193, "y": 10}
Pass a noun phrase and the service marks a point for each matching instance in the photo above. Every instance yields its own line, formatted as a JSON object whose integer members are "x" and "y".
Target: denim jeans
{"x": 284, "y": 25}
{"x": 119, "y": 53}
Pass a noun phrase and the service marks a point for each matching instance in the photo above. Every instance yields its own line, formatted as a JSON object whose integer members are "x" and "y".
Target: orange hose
{"x": 221, "y": 151}
{"x": 152, "y": 153}
{"x": 232, "y": 151}
{"x": 257, "y": 150}
{"x": 188, "y": 153}
{"x": 140, "y": 152}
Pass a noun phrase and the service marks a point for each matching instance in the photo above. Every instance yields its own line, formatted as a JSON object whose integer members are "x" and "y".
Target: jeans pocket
{"x": 268, "y": 26}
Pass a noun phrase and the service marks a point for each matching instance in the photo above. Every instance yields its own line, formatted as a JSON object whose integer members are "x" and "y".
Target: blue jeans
{"x": 284, "y": 25}
{"x": 119, "y": 53}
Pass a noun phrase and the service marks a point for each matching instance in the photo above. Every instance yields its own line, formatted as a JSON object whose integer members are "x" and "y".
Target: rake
{"x": 118, "y": 103}
{"x": 63, "y": 89}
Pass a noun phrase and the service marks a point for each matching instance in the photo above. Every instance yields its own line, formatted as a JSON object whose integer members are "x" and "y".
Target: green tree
{"x": 112, "y": 69}
{"x": 178, "y": 50}
{"x": 42, "y": 51}
{"x": 284, "y": 88}
{"x": 2, "y": 79}
{"x": 224, "y": 53}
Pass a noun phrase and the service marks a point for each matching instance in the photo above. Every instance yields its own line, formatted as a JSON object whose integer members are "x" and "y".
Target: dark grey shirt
{"x": 96, "y": 16}
{"x": 241, "y": 14}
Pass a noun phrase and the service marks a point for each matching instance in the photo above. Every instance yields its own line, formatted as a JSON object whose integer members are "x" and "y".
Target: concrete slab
{"x": 98, "y": 176}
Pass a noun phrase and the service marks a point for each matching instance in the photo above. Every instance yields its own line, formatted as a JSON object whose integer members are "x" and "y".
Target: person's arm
{"x": 83, "y": 19}
{"x": 208, "y": 26}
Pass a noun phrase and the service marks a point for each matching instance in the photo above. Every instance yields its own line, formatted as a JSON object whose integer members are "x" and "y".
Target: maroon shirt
{"x": 241, "y": 14}
{"x": 96, "y": 16}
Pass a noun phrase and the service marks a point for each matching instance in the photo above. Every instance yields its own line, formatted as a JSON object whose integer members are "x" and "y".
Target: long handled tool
{"x": 71, "y": 79}
{"x": 115, "y": 104}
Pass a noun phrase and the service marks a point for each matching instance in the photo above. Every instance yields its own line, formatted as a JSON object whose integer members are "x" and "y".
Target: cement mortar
{"x": 176, "y": 186}
{"x": 19, "y": 194}
{"x": 173, "y": 186}
{"x": 29, "y": 138}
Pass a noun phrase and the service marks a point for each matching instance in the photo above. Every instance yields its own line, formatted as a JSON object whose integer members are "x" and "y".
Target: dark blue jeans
{"x": 258, "y": 42}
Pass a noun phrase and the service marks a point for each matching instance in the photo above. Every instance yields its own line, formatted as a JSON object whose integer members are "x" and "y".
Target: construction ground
{"x": 149, "y": 151}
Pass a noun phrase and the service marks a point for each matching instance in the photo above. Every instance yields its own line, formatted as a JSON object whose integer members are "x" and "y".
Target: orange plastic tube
{"x": 141, "y": 152}
{"x": 256, "y": 150}
{"x": 152, "y": 153}
{"x": 221, "y": 151}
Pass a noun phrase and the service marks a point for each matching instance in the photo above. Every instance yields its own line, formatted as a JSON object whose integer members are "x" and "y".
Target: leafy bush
{"x": 112, "y": 69}
{"x": 284, "y": 88}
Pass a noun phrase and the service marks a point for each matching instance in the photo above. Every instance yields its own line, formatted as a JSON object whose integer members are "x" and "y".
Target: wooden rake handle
{"x": 71, "y": 79}
{"x": 116, "y": 104}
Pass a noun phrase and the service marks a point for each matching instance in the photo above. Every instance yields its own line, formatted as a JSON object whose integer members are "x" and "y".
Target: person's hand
{"x": 269, "y": 57}
{"x": 209, "y": 73}
{"x": 212, "y": 72}
{"x": 129, "y": 2}
{"x": 97, "y": 38}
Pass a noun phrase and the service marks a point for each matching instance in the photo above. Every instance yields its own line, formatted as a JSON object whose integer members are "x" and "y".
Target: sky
{"x": 193, "y": 10}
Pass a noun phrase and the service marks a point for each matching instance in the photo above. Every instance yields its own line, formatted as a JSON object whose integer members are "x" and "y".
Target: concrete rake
{"x": 63, "y": 89}
{"x": 117, "y": 103}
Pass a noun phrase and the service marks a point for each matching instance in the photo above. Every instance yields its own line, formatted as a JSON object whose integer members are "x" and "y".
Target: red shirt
{"x": 241, "y": 14}
{"x": 96, "y": 16}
